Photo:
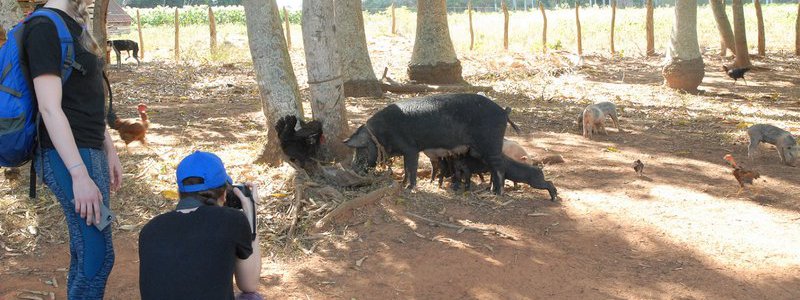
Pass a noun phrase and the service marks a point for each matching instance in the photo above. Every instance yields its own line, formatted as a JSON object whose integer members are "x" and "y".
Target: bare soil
{"x": 678, "y": 232}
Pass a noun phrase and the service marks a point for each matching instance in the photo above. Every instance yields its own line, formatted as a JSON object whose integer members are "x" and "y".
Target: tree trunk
{"x": 578, "y": 24}
{"x": 212, "y": 30}
{"x": 683, "y": 69}
{"x": 139, "y": 30}
{"x": 433, "y": 60}
{"x": 797, "y": 31}
{"x": 651, "y": 44}
{"x": 10, "y": 14}
{"x": 740, "y": 36}
{"x": 471, "y": 31}
{"x": 359, "y": 78}
{"x": 288, "y": 28}
{"x": 723, "y": 26}
{"x": 177, "y": 36}
{"x": 280, "y": 95}
{"x": 505, "y": 24}
{"x": 544, "y": 28}
{"x": 99, "y": 26}
{"x": 760, "y": 19}
{"x": 613, "y": 19}
{"x": 325, "y": 75}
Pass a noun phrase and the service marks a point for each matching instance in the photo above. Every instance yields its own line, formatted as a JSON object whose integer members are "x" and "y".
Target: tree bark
{"x": 683, "y": 69}
{"x": 651, "y": 44}
{"x": 99, "y": 26}
{"x": 212, "y": 30}
{"x": 740, "y": 36}
{"x": 471, "y": 31}
{"x": 544, "y": 28}
{"x": 760, "y": 19}
{"x": 325, "y": 75}
{"x": 797, "y": 31}
{"x": 357, "y": 73}
{"x": 10, "y": 14}
{"x": 504, "y": 6}
{"x": 177, "y": 36}
{"x": 434, "y": 59}
{"x": 723, "y": 26}
{"x": 141, "y": 40}
{"x": 277, "y": 84}
{"x": 613, "y": 19}
{"x": 578, "y": 25}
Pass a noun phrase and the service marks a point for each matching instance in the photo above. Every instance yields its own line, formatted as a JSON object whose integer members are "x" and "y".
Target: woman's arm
{"x": 248, "y": 271}
{"x": 87, "y": 195}
{"x": 114, "y": 165}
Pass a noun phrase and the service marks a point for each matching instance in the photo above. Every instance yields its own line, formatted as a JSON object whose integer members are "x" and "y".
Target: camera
{"x": 231, "y": 200}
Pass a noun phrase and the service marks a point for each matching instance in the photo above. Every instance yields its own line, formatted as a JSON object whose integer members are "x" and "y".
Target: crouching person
{"x": 195, "y": 251}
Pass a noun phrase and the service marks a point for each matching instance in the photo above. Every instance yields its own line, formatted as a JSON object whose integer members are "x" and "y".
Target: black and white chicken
{"x": 736, "y": 73}
{"x": 299, "y": 145}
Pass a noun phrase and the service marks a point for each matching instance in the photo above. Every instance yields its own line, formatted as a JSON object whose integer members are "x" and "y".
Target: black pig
{"x": 466, "y": 165}
{"x": 445, "y": 121}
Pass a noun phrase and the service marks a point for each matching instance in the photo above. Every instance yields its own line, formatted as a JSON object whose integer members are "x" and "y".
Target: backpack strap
{"x": 68, "y": 62}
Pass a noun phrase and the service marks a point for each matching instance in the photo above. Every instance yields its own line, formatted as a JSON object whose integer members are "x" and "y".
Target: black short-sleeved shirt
{"x": 83, "y": 96}
{"x": 192, "y": 255}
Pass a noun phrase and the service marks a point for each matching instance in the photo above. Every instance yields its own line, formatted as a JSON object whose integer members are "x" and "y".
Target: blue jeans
{"x": 91, "y": 251}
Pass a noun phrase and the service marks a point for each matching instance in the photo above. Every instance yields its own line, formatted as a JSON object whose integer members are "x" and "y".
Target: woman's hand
{"x": 114, "y": 171}
{"x": 248, "y": 206}
{"x": 87, "y": 197}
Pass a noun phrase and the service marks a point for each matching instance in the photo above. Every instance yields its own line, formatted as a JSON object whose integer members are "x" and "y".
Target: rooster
{"x": 741, "y": 174}
{"x": 736, "y": 73}
{"x": 299, "y": 145}
{"x": 130, "y": 129}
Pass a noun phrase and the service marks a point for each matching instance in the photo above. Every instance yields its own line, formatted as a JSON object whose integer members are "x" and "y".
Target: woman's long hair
{"x": 87, "y": 41}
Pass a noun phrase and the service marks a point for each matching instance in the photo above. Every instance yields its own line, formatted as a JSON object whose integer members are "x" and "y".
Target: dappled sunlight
{"x": 754, "y": 239}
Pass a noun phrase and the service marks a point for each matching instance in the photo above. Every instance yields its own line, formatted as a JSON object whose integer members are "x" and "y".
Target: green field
{"x": 525, "y": 30}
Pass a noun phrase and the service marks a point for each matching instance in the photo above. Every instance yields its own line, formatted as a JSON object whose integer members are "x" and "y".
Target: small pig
{"x": 593, "y": 121}
{"x": 514, "y": 151}
{"x": 787, "y": 147}
{"x": 515, "y": 171}
{"x": 607, "y": 109}
{"x": 437, "y": 156}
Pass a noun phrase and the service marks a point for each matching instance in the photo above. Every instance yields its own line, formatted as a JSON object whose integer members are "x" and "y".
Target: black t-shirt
{"x": 83, "y": 96}
{"x": 192, "y": 255}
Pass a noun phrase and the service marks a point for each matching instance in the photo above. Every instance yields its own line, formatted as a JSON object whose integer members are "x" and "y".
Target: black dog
{"x": 127, "y": 46}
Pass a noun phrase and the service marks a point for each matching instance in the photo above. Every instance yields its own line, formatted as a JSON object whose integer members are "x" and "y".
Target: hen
{"x": 130, "y": 129}
{"x": 736, "y": 73}
{"x": 741, "y": 174}
{"x": 299, "y": 145}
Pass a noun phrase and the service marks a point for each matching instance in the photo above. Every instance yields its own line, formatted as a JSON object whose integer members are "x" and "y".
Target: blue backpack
{"x": 19, "y": 118}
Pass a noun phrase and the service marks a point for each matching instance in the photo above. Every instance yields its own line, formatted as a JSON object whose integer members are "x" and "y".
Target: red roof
{"x": 116, "y": 14}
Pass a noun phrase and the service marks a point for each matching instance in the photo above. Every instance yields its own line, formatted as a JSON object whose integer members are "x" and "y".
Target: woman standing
{"x": 78, "y": 159}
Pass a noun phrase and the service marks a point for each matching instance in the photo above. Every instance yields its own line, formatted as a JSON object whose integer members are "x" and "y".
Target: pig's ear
{"x": 359, "y": 139}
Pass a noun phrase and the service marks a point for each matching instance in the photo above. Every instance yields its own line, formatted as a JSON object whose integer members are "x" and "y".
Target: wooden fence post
{"x": 212, "y": 24}
{"x": 505, "y": 24}
{"x": 651, "y": 49}
{"x": 613, "y": 20}
{"x": 578, "y": 24}
{"x": 141, "y": 40}
{"x": 177, "y": 36}
{"x": 544, "y": 28}
{"x": 394, "y": 29}
{"x": 288, "y": 28}
{"x": 471, "y": 32}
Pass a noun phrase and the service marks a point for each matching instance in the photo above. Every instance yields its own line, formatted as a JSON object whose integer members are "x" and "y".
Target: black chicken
{"x": 736, "y": 73}
{"x": 638, "y": 167}
{"x": 299, "y": 145}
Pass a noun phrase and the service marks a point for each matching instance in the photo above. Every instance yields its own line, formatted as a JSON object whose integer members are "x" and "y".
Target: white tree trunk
{"x": 357, "y": 73}
{"x": 324, "y": 74}
{"x": 434, "y": 58}
{"x": 10, "y": 14}
{"x": 683, "y": 68}
{"x": 277, "y": 84}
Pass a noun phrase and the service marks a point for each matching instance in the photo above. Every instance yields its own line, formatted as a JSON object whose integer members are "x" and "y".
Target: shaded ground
{"x": 678, "y": 232}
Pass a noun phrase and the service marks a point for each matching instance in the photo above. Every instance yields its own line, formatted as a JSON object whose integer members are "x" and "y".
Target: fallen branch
{"x": 349, "y": 206}
{"x": 462, "y": 227}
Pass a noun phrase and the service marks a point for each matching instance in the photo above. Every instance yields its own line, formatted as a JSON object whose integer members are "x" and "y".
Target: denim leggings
{"x": 91, "y": 251}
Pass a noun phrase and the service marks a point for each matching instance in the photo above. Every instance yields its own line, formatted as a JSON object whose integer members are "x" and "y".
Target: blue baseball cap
{"x": 204, "y": 165}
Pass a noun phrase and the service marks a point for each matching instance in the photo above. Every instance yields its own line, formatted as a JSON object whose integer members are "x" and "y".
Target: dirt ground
{"x": 679, "y": 232}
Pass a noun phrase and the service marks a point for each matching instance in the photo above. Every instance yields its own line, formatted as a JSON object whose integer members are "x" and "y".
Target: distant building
{"x": 117, "y": 21}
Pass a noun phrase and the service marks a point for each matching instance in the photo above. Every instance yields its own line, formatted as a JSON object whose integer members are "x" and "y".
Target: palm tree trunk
{"x": 684, "y": 64}
{"x": 277, "y": 84}
{"x": 434, "y": 59}
{"x": 723, "y": 25}
{"x": 359, "y": 77}
{"x": 325, "y": 75}
{"x": 740, "y": 35}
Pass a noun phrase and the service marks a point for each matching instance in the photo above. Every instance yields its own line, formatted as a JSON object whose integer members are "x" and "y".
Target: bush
{"x": 197, "y": 15}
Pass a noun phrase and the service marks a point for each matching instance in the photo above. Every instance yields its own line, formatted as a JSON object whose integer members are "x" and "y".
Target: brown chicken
{"x": 741, "y": 174}
{"x": 130, "y": 129}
